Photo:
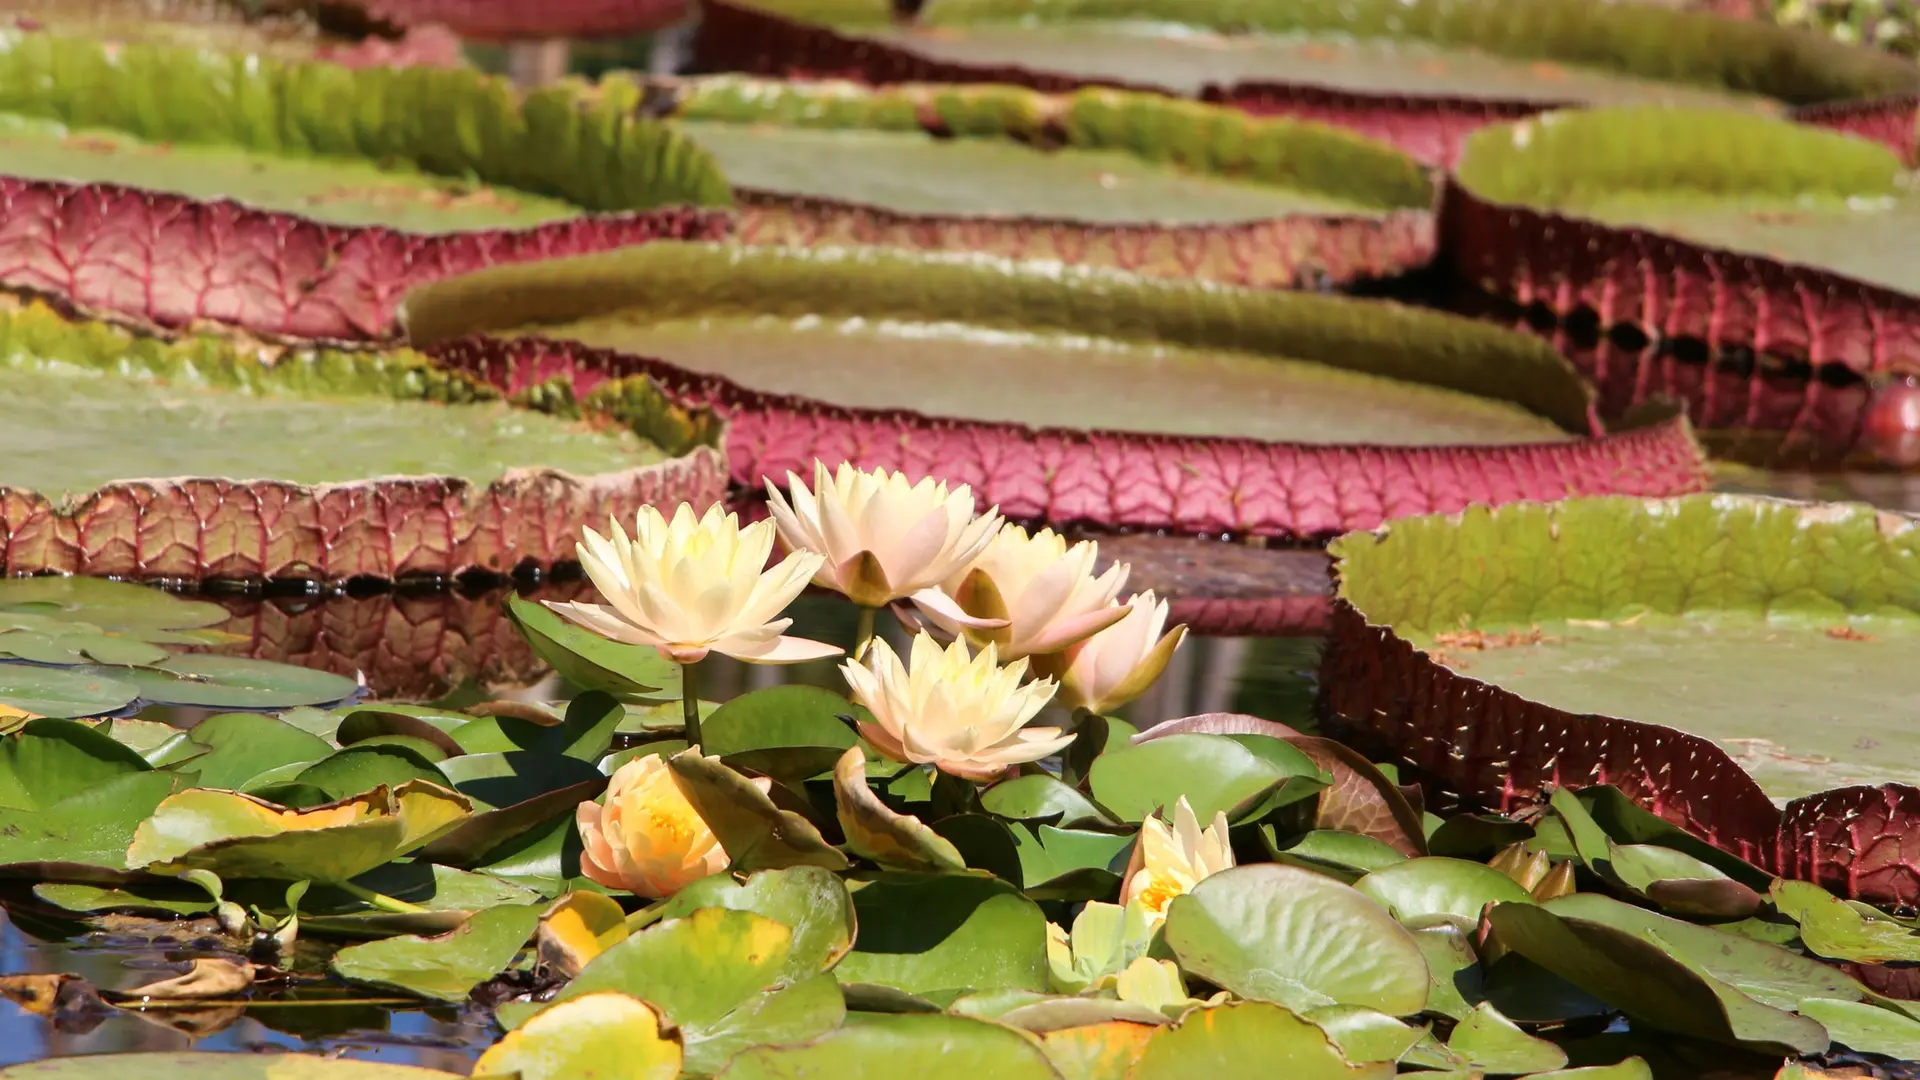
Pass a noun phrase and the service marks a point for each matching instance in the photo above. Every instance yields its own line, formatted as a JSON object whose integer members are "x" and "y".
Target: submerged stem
{"x": 380, "y": 900}
{"x": 865, "y": 634}
{"x": 690, "y": 703}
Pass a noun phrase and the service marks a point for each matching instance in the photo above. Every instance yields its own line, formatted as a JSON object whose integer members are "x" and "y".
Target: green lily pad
{"x": 85, "y": 836}
{"x": 1868, "y": 1029}
{"x": 797, "y": 141}
{"x": 811, "y": 902}
{"x": 1495, "y": 1045}
{"x": 79, "y": 620}
{"x": 349, "y": 772}
{"x": 1364, "y": 1035}
{"x": 164, "y": 899}
{"x": 931, "y": 933}
{"x": 584, "y": 658}
{"x": 241, "y": 746}
{"x": 1726, "y": 604}
{"x": 1455, "y": 979}
{"x": 722, "y": 977}
{"x": 1627, "y": 822}
{"x": 585, "y": 732}
{"x": 238, "y": 836}
{"x": 1832, "y": 928}
{"x": 1347, "y": 856}
{"x": 790, "y": 733}
{"x": 1280, "y": 933}
{"x": 1476, "y": 836}
{"x": 364, "y": 725}
{"x": 1041, "y": 798}
{"x": 756, "y": 834}
{"x": 182, "y": 119}
{"x": 205, "y": 1065}
{"x": 934, "y": 1047}
{"x": 1070, "y": 864}
{"x": 230, "y": 682}
{"x": 48, "y": 761}
{"x": 60, "y": 692}
{"x": 604, "y": 1034}
{"x": 1277, "y": 365}
{"x": 1216, "y": 773}
{"x": 1421, "y": 888}
{"x": 1647, "y": 984}
{"x": 514, "y": 794}
{"x": 447, "y": 966}
{"x": 877, "y": 833}
{"x": 1249, "y": 1040}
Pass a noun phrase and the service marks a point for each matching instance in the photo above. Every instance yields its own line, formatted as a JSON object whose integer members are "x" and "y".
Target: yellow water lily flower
{"x": 882, "y": 537}
{"x": 1032, "y": 594}
{"x": 646, "y": 837}
{"x": 693, "y": 586}
{"x": 1169, "y": 862}
{"x": 1118, "y": 664}
{"x": 963, "y": 713}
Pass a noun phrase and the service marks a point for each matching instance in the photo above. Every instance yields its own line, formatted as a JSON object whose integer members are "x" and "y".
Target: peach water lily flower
{"x": 962, "y": 713}
{"x": 1032, "y": 594}
{"x": 1169, "y": 862}
{"x": 1118, "y": 664}
{"x": 694, "y": 586}
{"x": 646, "y": 837}
{"x": 883, "y": 538}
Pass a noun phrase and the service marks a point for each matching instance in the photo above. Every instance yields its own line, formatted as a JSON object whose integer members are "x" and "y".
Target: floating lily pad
{"x": 85, "y": 836}
{"x": 447, "y": 966}
{"x": 1697, "y": 641}
{"x": 931, "y": 1046}
{"x": 206, "y": 1065}
{"x": 1247, "y": 1040}
{"x": 48, "y": 761}
{"x": 857, "y": 335}
{"x": 234, "y": 424}
{"x": 957, "y": 168}
{"x": 950, "y": 932}
{"x": 604, "y": 1034}
{"x": 1412, "y": 70}
{"x": 629, "y": 672}
{"x": 809, "y": 901}
{"x": 1216, "y": 773}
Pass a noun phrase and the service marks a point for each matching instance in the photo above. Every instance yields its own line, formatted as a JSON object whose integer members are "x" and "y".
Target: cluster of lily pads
{"x": 920, "y": 875}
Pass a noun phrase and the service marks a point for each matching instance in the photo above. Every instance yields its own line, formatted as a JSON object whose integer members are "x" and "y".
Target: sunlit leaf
{"x": 606, "y": 1034}
{"x": 948, "y": 932}
{"x": 47, "y": 761}
{"x": 578, "y": 927}
{"x": 1496, "y": 1045}
{"x": 1215, "y": 772}
{"x": 584, "y": 658}
{"x": 756, "y": 834}
{"x": 445, "y": 966}
{"x": 927, "y": 1047}
{"x": 1251, "y": 1040}
{"x": 813, "y": 903}
{"x": 1832, "y": 928}
{"x": 1423, "y": 888}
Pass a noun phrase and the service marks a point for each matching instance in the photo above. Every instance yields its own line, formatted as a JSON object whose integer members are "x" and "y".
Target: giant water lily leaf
{"x": 605, "y": 1034}
{"x": 811, "y": 902}
{"x": 723, "y": 978}
{"x": 1216, "y": 773}
{"x": 1716, "y": 645}
{"x": 47, "y": 761}
{"x": 629, "y": 672}
{"x": 237, "y": 835}
{"x": 935, "y": 1047}
{"x": 1280, "y": 933}
{"x": 948, "y": 932}
{"x": 1647, "y": 984}
{"x": 756, "y": 834}
{"x": 207, "y": 1065}
{"x": 1832, "y": 928}
{"x": 85, "y": 836}
{"x": 1246, "y": 1040}
{"x": 447, "y": 966}
{"x": 1421, "y": 888}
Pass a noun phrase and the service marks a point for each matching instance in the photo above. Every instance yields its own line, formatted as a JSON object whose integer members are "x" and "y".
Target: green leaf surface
{"x": 447, "y": 966}
{"x": 598, "y": 1035}
{"x": 1215, "y": 773}
{"x": 1283, "y": 934}
{"x": 1627, "y": 822}
{"x": 1495, "y": 1045}
{"x": 60, "y": 692}
{"x": 932, "y": 1047}
{"x": 89, "y": 830}
{"x": 811, "y": 902}
{"x": 1417, "y": 889}
{"x": 584, "y": 658}
{"x": 164, "y": 899}
{"x": 585, "y": 732}
{"x": 1365, "y": 1035}
{"x": 1455, "y": 983}
{"x": 1866, "y": 1028}
{"x": 1832, "y": 928}
{"x": 1250, "y": 1040}
{"x": 48, "y": 761}
{"x": 241, "y": 746}
{"x": 949, "y": 932}
{"x": 1350, "y": 856}
{"x": 1040, "y": 797}
{"x": 349, "y": 772}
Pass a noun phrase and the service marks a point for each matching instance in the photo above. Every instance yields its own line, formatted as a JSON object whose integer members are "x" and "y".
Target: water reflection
{"x": 397, "y": 1033}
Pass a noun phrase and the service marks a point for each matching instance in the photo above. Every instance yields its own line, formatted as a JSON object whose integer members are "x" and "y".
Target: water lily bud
{"x": 882, "y": 539}
{"x": 1169, "y": 862}
{"x": 964, "y": 714}
{"x": 1118, "y": 664}
{"x": 1029, "y": 595}
{"x": 1554, "y": 883}
{"x": 695, "y": 586}
{"x": 646, "y": 837}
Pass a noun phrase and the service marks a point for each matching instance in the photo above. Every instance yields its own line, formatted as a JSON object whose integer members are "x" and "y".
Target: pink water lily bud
{"x": 964, "y": 714}
{"x": 1169, "y": 862}
{"x": 1031, "y": 594}
{"x": 646, "y": 837}
{"x": 1118, "y": 664}
{"x": 694, "y": 586}
{"x": 882, "y": 538}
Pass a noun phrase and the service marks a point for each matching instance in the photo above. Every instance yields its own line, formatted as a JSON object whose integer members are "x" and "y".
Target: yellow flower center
{"x": 671, "y": 825}
{"x": 1159, "y": 893}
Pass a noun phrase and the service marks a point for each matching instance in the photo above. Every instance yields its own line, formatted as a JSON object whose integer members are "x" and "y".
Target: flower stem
{"x": 690, "y": 702}
{"x": 380, "y": 900}
{"x": 865, "y": 635}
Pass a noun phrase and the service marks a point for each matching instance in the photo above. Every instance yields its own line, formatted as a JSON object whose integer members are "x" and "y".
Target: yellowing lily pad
{"x": 606, "y": 1035}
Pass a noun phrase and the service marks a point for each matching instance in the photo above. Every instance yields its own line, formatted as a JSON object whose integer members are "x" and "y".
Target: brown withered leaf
{"x": 208, "y": 978}
{"x": 1361, "y": 799}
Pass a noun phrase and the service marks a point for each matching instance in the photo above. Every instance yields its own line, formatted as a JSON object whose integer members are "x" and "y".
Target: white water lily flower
{"x": 1169, "y": 862}
{"x": 964, "y": 714}
{"x": 1032, "y": 594}
{"x": 883, "y": 539}
{"x": 695, "y": 586}
{"x": 1118, "y": 664}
